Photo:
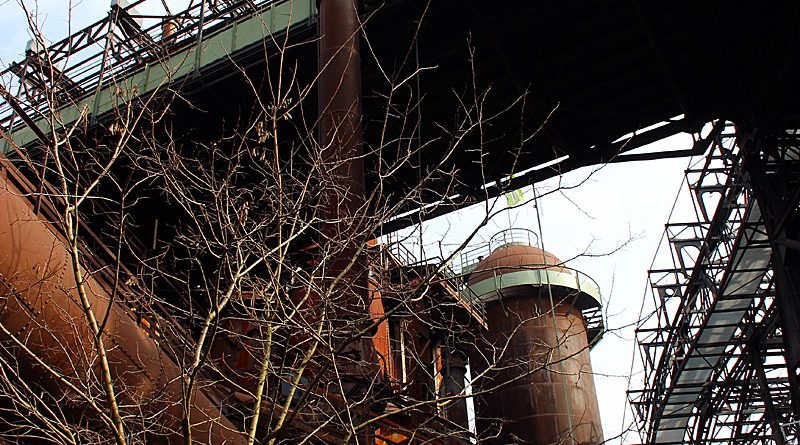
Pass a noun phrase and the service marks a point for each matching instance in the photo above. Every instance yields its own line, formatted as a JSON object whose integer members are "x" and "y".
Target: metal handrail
{"x": 455, "y": 281}
{"x": 108, "y": 50}
{"x": 514, "y": 236}
{"x": 464, "y": 262}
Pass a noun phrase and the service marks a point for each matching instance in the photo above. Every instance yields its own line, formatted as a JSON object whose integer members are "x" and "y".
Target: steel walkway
{"x": 117, "y": 60}
{"x": 698, "y": 346}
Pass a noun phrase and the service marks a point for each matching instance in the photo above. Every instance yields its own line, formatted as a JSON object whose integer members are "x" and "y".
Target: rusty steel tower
{"x": 535, "y": 381}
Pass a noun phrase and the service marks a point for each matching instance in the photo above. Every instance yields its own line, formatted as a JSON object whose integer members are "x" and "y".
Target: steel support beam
{"x": 343, "y": 204}
{"x": 777, "y": 194}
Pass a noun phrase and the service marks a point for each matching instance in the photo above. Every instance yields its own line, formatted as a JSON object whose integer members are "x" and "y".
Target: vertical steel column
{"x": 340, "y": 123}
{"x": 786, "y": 290}
{"x": 341, "y": 140}
{"x": 454, "y": 371}
{"x": 778, "y": 195}
{"x": 340, "y": 129}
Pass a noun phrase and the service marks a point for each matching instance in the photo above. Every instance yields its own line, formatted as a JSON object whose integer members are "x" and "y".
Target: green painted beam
{"x": 588, "y": 292}
{"x": 154, "y": 76}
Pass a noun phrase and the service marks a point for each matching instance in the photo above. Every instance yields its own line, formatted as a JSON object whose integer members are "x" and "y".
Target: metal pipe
{"x": 40, "y": 309}
{"x": 340, "y": 113}
{"x": 341, "y": 140}
{"x": 454, "y": 384}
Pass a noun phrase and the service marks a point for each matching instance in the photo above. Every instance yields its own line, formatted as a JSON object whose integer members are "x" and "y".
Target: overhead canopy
{"x": 556, "y": 84}
{"x": 593, "y": 72}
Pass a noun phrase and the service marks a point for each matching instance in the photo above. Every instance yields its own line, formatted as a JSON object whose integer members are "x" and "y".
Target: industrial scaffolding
{"x": 135, "y": 49}
{"x": 712, "y": 349}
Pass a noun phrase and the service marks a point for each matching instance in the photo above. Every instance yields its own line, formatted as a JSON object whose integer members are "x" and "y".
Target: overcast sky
{"x": 618, "y": 203}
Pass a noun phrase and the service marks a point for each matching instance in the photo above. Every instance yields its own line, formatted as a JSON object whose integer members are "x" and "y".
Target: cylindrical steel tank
{"x": 534, "y": 380}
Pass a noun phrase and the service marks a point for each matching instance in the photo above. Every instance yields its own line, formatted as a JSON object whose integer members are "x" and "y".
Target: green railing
{"x": 128, "y": 54}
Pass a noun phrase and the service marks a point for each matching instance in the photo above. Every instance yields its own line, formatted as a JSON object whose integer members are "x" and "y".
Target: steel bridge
{"x": 567, "y": 84}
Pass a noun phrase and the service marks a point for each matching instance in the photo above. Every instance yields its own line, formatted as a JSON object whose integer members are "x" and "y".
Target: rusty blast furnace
{"x": 533, "y": 363}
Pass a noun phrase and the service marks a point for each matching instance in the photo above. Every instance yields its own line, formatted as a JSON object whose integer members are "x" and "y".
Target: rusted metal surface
{"x": 380, "y": 339}
{"x": 340, "y": 93}
{"x": 525, "y": 395}
{"x": 341, "y": 136}
{"x": 41, "y": 309}
{"x": 513, "y": 258}
{"x": 342, "y": 165}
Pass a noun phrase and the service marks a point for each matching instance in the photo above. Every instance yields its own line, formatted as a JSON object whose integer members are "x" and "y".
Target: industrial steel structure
{"x": 536, "y": 63}
{"x": 499, "y": 96}
{"x": 535, "y": 311}
{"x": 714, "y": 350}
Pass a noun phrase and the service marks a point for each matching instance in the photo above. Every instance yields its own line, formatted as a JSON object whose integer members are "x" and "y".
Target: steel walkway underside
{"x": 711, "y": 349}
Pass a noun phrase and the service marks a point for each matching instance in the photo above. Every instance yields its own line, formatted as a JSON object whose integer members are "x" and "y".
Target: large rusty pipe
{"x": 41, "y": 309}
{"x": 340, "y": 96}
{"x": 342, "y": 140}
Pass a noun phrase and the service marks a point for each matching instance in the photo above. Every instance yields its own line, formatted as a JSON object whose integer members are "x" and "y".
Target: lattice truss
{"x": 135, "y": 33}
{"x": 711, "y": 348}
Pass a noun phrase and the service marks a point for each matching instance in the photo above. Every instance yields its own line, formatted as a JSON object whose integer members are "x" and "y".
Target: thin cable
{"x": 419, "y": 138}
{"x": 553, "y": 315}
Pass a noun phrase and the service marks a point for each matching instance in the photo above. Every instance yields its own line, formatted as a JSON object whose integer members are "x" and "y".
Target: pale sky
{"x": 619, "y": 202}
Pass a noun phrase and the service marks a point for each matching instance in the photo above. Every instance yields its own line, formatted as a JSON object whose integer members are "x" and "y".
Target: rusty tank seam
{"x": 23, "y": 303}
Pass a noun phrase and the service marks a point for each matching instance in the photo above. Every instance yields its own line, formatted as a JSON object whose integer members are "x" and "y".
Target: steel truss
{"x": 109, "y": 50}
{"x": 713, "y": 352}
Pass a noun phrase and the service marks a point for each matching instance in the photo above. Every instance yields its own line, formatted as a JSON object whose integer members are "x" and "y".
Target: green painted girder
{"x": 586, "y": 290}
{"x": 154, "y": 76}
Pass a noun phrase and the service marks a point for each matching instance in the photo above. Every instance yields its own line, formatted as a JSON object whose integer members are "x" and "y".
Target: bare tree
{"x": 223, "y": 282}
